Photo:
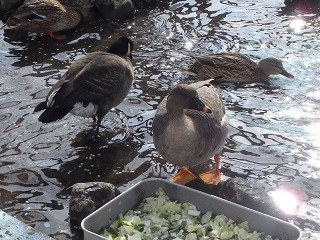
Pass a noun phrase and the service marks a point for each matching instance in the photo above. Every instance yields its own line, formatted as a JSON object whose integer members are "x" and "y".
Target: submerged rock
{"x": 85, "y": 198}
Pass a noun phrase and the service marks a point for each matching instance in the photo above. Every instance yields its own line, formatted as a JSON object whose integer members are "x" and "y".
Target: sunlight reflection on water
{"x": 274, "y": 130}
{"x": 297, "y": 24}
{"x": 285, "y": 200}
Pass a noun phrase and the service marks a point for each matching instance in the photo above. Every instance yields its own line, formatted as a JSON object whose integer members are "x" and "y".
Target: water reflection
{"x": 297, "y": 25}
{"x": 285, "y": 200}
{"x": 273, "y": 137}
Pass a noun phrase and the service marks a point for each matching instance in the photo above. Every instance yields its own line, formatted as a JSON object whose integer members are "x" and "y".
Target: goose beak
{"x": 206, "y": 109}
{"x": 200, "y": 106}
{"x": 286, "y": 74}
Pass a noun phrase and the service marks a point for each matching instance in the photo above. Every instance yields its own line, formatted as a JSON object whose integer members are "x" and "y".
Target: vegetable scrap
{"x": 159, "y": 218}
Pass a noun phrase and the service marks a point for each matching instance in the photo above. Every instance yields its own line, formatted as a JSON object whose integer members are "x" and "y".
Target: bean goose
{"x": 190, "y": 127}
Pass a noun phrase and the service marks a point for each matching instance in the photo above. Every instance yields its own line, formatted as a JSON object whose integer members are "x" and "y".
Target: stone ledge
{"x": 12, "y": 228}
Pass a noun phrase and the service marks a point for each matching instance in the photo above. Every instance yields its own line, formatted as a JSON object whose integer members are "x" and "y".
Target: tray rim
{"x": 165, "y": 181}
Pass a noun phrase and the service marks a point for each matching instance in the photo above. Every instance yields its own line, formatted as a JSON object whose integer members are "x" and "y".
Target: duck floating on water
{"x": 189, "y": 128}
{"x": 43, "y": 17}
{"x": 237, "y": 68}
{"x": 92, "y": 86}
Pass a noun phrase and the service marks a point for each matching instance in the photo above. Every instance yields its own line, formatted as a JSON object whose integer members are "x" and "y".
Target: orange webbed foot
{"x": 212, "y": 177}
{"x": 183, "y": 176}
{"x": 56, "y": 36}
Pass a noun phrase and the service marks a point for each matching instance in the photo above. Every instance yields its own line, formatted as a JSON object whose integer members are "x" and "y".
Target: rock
{"x": 105, "y": 8}
{"x": 84, "y": 6}
{"x": 8, "y": 5}
{"x": 303, "y": 5}
{"x": 123, "y": 9}
{"x": 242, "y": 192}
{"x": 142, "y": 3}
{"x": 85, "y": 198}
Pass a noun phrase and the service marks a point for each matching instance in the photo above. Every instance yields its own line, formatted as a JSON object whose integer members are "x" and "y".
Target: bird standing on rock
{"x": 190, "y": 127}
{"x": 92, "y": 86}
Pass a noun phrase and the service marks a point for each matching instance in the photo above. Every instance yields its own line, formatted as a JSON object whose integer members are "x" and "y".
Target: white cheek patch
{"x": 89, "y": 111}
{"x": 129, "y": 50}
{"x": 50, "y": 101}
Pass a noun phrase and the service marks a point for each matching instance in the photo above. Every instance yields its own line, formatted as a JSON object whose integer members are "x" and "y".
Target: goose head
{"x": 185, "y": 97}
{"x": 122, "y": 47}
{"x": 273, "y": 66}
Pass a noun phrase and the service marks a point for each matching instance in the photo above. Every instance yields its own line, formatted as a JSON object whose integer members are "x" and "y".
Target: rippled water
{"x": 274, "y": 136}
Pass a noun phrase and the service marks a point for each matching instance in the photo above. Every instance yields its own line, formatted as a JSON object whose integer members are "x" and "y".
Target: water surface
{"x": 274, "y": 127}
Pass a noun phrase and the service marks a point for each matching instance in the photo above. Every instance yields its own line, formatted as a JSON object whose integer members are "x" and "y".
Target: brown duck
{"x": 190, "y": 127}
{"x": 235, "y": 67}
{"x": 43, "y": 17}
{"x": 92, "y": 86}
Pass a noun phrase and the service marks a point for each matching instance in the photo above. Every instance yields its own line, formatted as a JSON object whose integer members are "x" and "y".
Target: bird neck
{"x": 259, "y": 74}
{"x": 180, "y": 121}
{"x": 175, "y": 114}
{"x": 195, "y": 68}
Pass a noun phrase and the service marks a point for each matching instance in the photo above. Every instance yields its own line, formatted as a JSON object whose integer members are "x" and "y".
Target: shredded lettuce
{"x": 159, "y": 218}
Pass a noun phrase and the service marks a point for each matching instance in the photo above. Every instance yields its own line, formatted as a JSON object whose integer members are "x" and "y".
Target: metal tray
{"x": 97, "y": 221}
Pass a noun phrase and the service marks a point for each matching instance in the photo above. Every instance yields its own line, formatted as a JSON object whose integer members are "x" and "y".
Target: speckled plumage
{"x": 43, "y": 17}
{"x": 235, "y": 67}
{"x": 184, "y": 136}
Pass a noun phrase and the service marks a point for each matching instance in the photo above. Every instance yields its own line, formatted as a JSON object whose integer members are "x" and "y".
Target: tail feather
{"x": 187, "y": 71}
{"x": 52, "y": 114}
{"x": 41, "y": 106}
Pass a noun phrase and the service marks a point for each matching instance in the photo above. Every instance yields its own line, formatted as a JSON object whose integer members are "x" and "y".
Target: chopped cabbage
{"x": 158, "y": 218}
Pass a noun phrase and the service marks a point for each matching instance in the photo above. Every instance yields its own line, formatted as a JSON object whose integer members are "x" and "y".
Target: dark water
{"x": 274, "y": 136}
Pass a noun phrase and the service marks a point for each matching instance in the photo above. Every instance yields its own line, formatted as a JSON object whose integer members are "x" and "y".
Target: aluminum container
{"x": 96, "y": 222}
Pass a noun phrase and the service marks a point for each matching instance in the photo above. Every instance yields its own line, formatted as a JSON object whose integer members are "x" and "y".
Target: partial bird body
{"x": 190, "y": 125}
{"x": 92, "y": 86}
{"x": 43, "y": 17}
{"x": 235, "y": 67}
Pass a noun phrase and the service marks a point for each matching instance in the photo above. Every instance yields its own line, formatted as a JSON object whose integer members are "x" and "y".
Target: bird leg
{"x": 56, "y": 36}
{"x": 183, "y": 176}
{"x": 212, "y": 177}
{"x": 98, "y": 124}
{"x": 95, "y": 120}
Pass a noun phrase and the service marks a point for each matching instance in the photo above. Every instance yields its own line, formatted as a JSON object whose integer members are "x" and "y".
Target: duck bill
{"x": 286, "y": 74}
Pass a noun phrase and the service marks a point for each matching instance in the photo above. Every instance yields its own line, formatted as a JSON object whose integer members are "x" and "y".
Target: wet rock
{"x": 106, "y": 8}
{"x": 84, "y": 6}
{"x": 85, "y": 198}
{"x": 143, "y": 3}
{"x": 113, "y": 10}
{"x": 303, "y": 5}
{"x": 122, "y": 9}
{"x": 243, "y": 192}
{"x": 8, "y": 5}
